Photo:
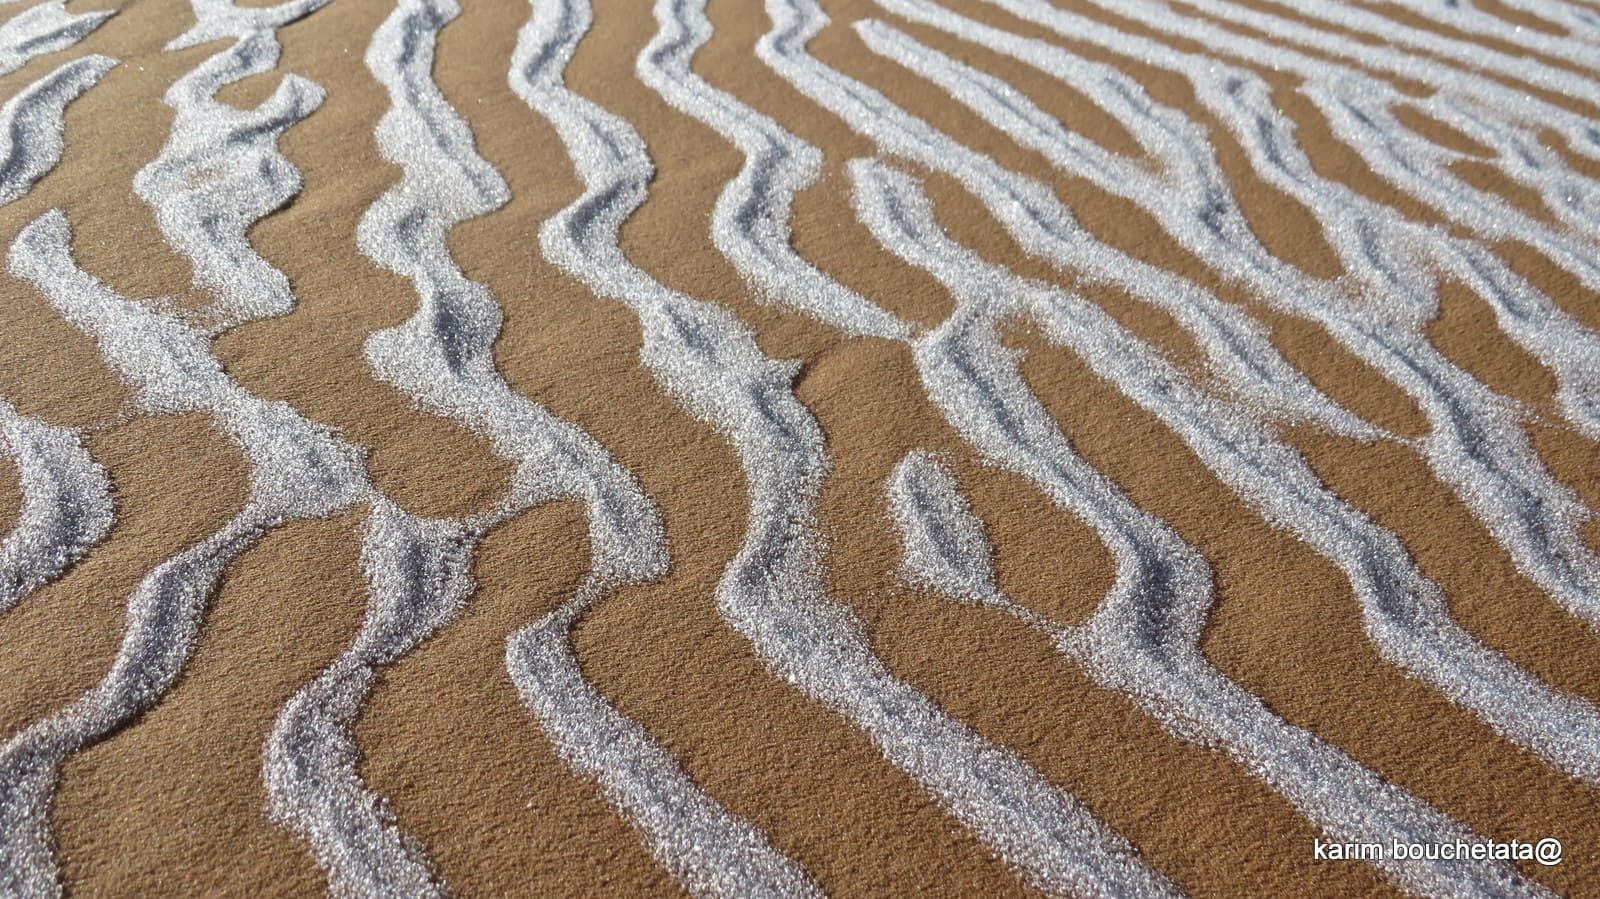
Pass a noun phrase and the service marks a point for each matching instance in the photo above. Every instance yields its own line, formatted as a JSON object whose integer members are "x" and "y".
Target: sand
{"x": 174, "y": 805}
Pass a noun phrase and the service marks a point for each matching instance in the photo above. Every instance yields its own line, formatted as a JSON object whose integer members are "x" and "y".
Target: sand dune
{"x": 842, "y": 447}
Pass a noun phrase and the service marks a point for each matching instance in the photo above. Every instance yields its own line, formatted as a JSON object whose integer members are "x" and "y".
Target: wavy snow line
{"x": 443, "y": 358}
{"x": 1359, "y": 109}
{"x": 708, "y": 849}
{"x": 1237, "y": 347}
{"x": 298, "y": 470}
{"x": 1491, "y": 114}
{"x": 1355, "y": 102}
{"x": 771, "y": 591}
{"x": 1210, "y": 223}
{"x": 32, "y": 123}
{"x": 218, "y": 174}
{"x": 1542, "y": 529}
{"x": 945, "y": 550}
{"x": 1515, "y": 105}
{"x": 1476, "y": 444}
{"x": 664, "y": 65}
{"x": 750, "y": 222}
{"x": 1463, "y": 16}
{"x": 418, "y": 575}
{"x": 1477, "y": 57}
{"x": 66, "y": 504}
{"x": 220, "y": 171}
{"x": 1144, "y": 639}
{"x": 43, "y": 29}
{"x": 1580, "y": 21}
{"x": 1302, "y": 788}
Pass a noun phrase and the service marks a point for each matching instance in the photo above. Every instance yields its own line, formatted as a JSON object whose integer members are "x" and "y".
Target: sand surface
{"x": 173, "y": 803}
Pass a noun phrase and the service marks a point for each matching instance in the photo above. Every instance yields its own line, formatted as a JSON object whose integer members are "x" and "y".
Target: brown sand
{"x": 173, "y": 805}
